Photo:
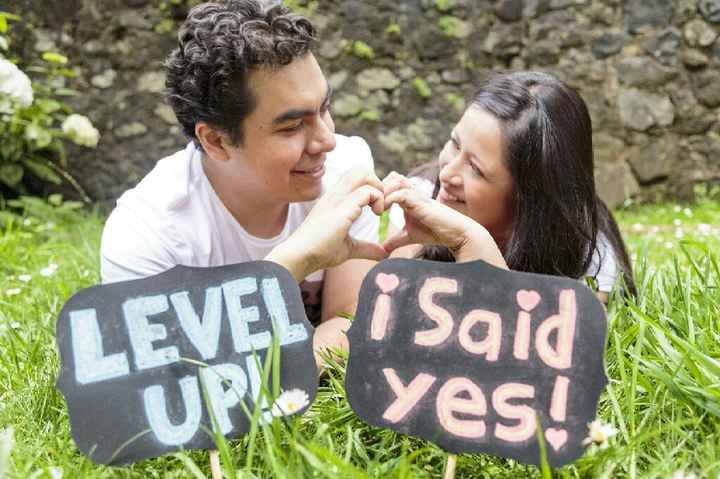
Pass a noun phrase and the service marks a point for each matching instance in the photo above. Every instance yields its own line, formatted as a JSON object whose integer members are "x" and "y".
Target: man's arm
{"x": 341, "y": 287}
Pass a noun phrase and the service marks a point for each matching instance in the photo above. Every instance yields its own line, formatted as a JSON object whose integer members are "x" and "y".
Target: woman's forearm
{"x": 479, "y": 244}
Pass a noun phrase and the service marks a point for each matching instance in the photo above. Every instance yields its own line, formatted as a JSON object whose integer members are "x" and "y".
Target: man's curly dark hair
{"x": 220, "y": 43}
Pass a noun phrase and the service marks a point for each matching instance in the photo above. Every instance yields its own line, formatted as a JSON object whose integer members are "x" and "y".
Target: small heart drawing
{"x": 556, "y": 437}
{"x": 387, "y": 282}
{"x": 528, "y": 299}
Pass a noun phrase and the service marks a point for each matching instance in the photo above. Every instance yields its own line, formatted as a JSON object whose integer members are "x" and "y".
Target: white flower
{"x": 682, "y": 475}
{"x": 677, "y": 222}
{"x": 13, "y": 292}
{"x": 638, "y": 227}
{"x": 599, "y": 434}
{"x": 49, "y": 270}
{"x": 80, "y": 130}
{"x": 25, "y": 278}
{"x": 290, "y": 402}
{"x": 15, "y": 83}
{"x": 677, "y": 209}
{"x": 679, "y": 233}
{"x": 688, "y": 212}
{"x": 704, "y": 229}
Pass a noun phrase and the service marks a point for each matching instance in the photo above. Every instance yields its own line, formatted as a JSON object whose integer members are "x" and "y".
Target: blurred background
{"x": 401, "y": 71}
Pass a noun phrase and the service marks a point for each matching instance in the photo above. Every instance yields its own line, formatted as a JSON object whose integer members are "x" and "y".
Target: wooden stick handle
{"x": 450, "y": 466}
{"x": 215, "y": 468}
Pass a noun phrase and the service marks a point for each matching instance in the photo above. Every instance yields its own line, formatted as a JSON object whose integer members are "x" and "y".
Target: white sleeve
{"x": 366, "y": 227}
{"x": 604, "y": 266}
{"x": 132, "y": 249}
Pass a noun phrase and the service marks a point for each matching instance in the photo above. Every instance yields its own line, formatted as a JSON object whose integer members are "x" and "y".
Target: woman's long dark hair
{"x": 547, "y": 144}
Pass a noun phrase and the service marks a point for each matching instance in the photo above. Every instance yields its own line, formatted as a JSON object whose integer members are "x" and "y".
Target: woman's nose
{"x": 450, "y": 172}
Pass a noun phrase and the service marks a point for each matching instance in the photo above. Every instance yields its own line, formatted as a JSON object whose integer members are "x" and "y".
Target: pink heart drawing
{"x": 528, "y": 299}
{"x": 387, "y": 282}
{"x": 556, "y": 437}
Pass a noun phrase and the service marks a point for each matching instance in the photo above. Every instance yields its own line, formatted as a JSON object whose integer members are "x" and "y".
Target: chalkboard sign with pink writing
{"x": 467, "y": 356}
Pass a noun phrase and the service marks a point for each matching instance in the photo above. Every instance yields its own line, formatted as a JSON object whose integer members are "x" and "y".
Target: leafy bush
{"x": 34, "y": 121}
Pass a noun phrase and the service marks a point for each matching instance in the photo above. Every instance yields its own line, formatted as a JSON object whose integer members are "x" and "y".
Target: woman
{"x": 519, "y": 164}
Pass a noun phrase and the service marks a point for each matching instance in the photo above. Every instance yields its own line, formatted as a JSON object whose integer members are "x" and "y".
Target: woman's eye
{"x": 475, "y": 169}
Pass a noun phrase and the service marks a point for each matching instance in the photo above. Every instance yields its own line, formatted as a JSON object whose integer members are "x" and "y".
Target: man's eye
{"x": 325, "y": 107}
{"x": 454, "y": 143}
{"x": 292, "y": 128}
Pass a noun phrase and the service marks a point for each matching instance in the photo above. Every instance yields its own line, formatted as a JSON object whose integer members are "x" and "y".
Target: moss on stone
{"x": 421, "y": 87}
{"x": 444, "y": 5}
{"x": 361, "y": 50}
{"x": 370, "y": 115}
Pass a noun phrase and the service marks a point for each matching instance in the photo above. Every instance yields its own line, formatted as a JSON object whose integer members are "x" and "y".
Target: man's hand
{"x": 322, "y": 240}
{"x": 430, "y": 222}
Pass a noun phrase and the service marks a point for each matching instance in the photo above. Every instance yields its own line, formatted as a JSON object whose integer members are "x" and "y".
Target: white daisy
{"x": 599, "y": 433}
{"x": 25, "y": 278}
{"x": 290, "y": 402}
{"x": 13, "y": 292}
{"x": 682, "y": 475}
{"x": 49, "y": 270}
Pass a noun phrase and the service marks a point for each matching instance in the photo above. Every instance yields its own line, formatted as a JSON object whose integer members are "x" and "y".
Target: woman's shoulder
{"x": 604, "y": 266}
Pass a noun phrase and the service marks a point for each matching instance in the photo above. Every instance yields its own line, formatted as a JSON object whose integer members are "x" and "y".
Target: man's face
{"x": 286, "y": 137}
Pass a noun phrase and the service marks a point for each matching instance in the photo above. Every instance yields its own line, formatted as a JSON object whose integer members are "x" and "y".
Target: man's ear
{"x": 212, "y": 141}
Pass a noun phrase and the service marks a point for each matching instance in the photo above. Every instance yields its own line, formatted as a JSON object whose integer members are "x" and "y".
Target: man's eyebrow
{"x": 296, "y": 114}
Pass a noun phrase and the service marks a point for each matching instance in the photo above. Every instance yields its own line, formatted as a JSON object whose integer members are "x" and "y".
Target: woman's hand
{"x": 323, "y": 240}
{"x": 429, "y": 222}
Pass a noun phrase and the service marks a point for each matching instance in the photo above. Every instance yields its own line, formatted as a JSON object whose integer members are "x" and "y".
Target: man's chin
{"x": 307, "y": 194}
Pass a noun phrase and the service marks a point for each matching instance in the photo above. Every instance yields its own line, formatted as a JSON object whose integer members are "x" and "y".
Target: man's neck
{"x": 260, "y": 218}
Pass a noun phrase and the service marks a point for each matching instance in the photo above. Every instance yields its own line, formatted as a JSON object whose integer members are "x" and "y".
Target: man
{"x": 251, "y": 97}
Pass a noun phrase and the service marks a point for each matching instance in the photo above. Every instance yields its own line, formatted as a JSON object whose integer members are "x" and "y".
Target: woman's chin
{"x": 459, "y": 206}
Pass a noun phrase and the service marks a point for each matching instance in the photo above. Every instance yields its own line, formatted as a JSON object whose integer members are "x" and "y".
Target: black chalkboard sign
{"x": 130, "y": 391}
{"x": 468, "y": 355}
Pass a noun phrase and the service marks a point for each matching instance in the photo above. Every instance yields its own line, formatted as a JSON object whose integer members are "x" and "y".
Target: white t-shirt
{"x": 604, "y": 256}
{"x": 174, "y": 217}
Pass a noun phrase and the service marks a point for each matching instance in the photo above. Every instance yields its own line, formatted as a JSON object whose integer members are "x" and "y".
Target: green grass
{"x": 663, "y": 360}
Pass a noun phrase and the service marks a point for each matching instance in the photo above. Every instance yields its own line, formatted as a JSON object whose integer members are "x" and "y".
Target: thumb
{"x": 366, "y": 250}
{"x": 397, "y": 240}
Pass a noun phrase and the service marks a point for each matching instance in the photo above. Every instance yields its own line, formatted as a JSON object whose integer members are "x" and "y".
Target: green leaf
{"x": 55, "y": 199}
{"x": 11, "y": 174}
{"x": 43, "y": 171}
{"x": 48, "y": 105}
{"x": 56, "y": 58}
{"x": 3, "y": 24}
{"x": 39, "y": 135}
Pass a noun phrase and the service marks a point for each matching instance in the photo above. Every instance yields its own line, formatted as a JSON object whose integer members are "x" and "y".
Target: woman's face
{"x": 473, "y": 176}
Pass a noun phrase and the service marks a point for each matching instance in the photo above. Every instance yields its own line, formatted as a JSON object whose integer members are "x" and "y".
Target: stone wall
{"x": 402, "y": 70}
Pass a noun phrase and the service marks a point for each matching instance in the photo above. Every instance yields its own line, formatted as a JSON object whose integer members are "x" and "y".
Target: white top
{"x": 604, "y": 255}
{"x": 174, "y": 217}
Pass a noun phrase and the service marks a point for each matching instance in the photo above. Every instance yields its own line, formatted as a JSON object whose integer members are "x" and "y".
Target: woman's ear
{"x": 212, "y": 141}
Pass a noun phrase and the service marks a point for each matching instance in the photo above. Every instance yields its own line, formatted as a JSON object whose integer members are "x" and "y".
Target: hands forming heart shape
{"x": 323, "y": 240}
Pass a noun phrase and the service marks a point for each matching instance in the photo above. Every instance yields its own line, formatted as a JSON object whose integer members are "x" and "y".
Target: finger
{"x": 395, "y": 181}
{"x": 396, "y": 241}
{"x": 366, "y": 250}
{"x": 366, "y": 196}
{"x": 356, "y": 178}
{"x": 407, "y": 198}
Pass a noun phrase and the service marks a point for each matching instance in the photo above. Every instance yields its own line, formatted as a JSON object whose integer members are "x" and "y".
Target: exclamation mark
{"x": 558, "y": 411}
{"x": 381, "y": 314}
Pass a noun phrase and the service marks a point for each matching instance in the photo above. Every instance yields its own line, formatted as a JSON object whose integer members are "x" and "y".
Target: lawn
{"x": 662, "y": 357}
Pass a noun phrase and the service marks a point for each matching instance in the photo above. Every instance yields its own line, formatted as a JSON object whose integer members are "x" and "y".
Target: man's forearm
{"x": 293, "y": 261}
